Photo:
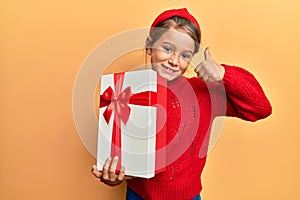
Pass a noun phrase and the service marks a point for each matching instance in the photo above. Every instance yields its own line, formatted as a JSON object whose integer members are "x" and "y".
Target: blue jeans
{"x": 131, "y": 195}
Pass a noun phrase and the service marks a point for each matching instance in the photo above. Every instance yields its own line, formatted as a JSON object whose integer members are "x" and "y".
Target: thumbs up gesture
{"x": 208, "y": 70}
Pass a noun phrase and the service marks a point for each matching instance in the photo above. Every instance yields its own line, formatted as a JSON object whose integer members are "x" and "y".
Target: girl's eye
{"x": 186, "y": 56}
{"x": 167, "y": 49}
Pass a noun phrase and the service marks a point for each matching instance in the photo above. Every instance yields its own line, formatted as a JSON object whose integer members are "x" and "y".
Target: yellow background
{"x": 43, "y": 44}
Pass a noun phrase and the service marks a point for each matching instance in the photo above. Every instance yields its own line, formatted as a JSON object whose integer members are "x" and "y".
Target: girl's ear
{"x": 147, "y": 45}
{"x": 149, "y": 51}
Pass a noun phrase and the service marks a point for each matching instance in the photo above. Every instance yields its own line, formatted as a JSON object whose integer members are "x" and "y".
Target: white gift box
{"x": 132, "y": 122}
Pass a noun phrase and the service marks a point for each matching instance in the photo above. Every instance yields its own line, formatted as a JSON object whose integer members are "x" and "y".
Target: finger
{"x": 205, "y": 77}
{"x": 113, "y": 164}
{"x": 203, "y": 70}
{"x": 112, "y": 169}
{"x": 210, "y": 79}
{"x": 105, "y": 169}
{"x": 121, "y": 175}
{"x": 198, "y": 67}
{"x": 202, "y": 66}
{"x": 213, "y": 74}
{"x": 96, "y": 172}
{"x": 207, "y": 55}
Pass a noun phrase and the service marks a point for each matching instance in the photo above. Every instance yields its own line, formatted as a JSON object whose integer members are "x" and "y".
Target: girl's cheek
{"x": 161, "y": 56}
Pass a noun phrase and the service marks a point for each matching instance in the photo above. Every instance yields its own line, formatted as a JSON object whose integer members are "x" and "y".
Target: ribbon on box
{"x": 117, "y": 102}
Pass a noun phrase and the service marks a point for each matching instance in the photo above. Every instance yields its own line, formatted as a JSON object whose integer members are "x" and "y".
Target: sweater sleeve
{"x": 244, "y": 96}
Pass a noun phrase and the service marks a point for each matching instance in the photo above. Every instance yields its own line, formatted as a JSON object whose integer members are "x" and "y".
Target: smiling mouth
{"x": 169, "y": 70}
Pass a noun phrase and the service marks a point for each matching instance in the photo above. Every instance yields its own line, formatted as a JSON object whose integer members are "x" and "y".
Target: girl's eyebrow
{"x": 171, "y": 44}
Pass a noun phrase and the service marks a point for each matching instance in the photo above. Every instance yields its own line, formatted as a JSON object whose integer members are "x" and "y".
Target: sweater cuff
{"x": 229, "y": 74}
{"x": 233, "y": 75}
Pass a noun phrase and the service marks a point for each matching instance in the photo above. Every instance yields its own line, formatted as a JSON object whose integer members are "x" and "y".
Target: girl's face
{"x": 171, "y": 54}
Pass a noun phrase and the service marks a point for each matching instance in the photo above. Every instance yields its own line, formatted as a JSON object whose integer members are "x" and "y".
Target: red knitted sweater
{"x": 191, "y": 107}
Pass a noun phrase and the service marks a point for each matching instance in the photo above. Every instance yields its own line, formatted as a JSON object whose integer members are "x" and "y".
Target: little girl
{"x": 192, "y": 104}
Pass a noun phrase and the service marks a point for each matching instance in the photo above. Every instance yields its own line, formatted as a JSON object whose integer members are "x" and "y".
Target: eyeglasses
{"x": 184, "y": 56}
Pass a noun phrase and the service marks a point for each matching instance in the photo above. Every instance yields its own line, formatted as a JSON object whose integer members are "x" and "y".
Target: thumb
{"x": 207, "y": 55}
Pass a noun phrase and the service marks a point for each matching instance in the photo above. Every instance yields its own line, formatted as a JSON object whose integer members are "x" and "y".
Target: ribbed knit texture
{"x": 191, "y": 107}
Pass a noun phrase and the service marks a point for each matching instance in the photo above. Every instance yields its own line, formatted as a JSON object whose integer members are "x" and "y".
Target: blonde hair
{"x": 176, "y": 22}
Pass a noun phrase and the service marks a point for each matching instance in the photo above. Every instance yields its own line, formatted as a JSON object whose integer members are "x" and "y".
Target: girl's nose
{"x": 173, "y": 60}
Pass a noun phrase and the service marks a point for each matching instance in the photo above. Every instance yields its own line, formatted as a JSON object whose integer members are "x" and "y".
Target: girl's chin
{"x": 169, "y": 77}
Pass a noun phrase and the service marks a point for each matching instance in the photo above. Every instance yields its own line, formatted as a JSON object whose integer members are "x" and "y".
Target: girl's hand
{"x": 208, "y": 70}
{"x": 108, "y": 174}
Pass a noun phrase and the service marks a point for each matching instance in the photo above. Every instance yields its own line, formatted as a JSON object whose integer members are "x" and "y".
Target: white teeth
{"x": 169, "y": 69}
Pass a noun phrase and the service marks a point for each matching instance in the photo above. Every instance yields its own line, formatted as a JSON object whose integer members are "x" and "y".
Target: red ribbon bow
{"x": 117, "y": 103}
